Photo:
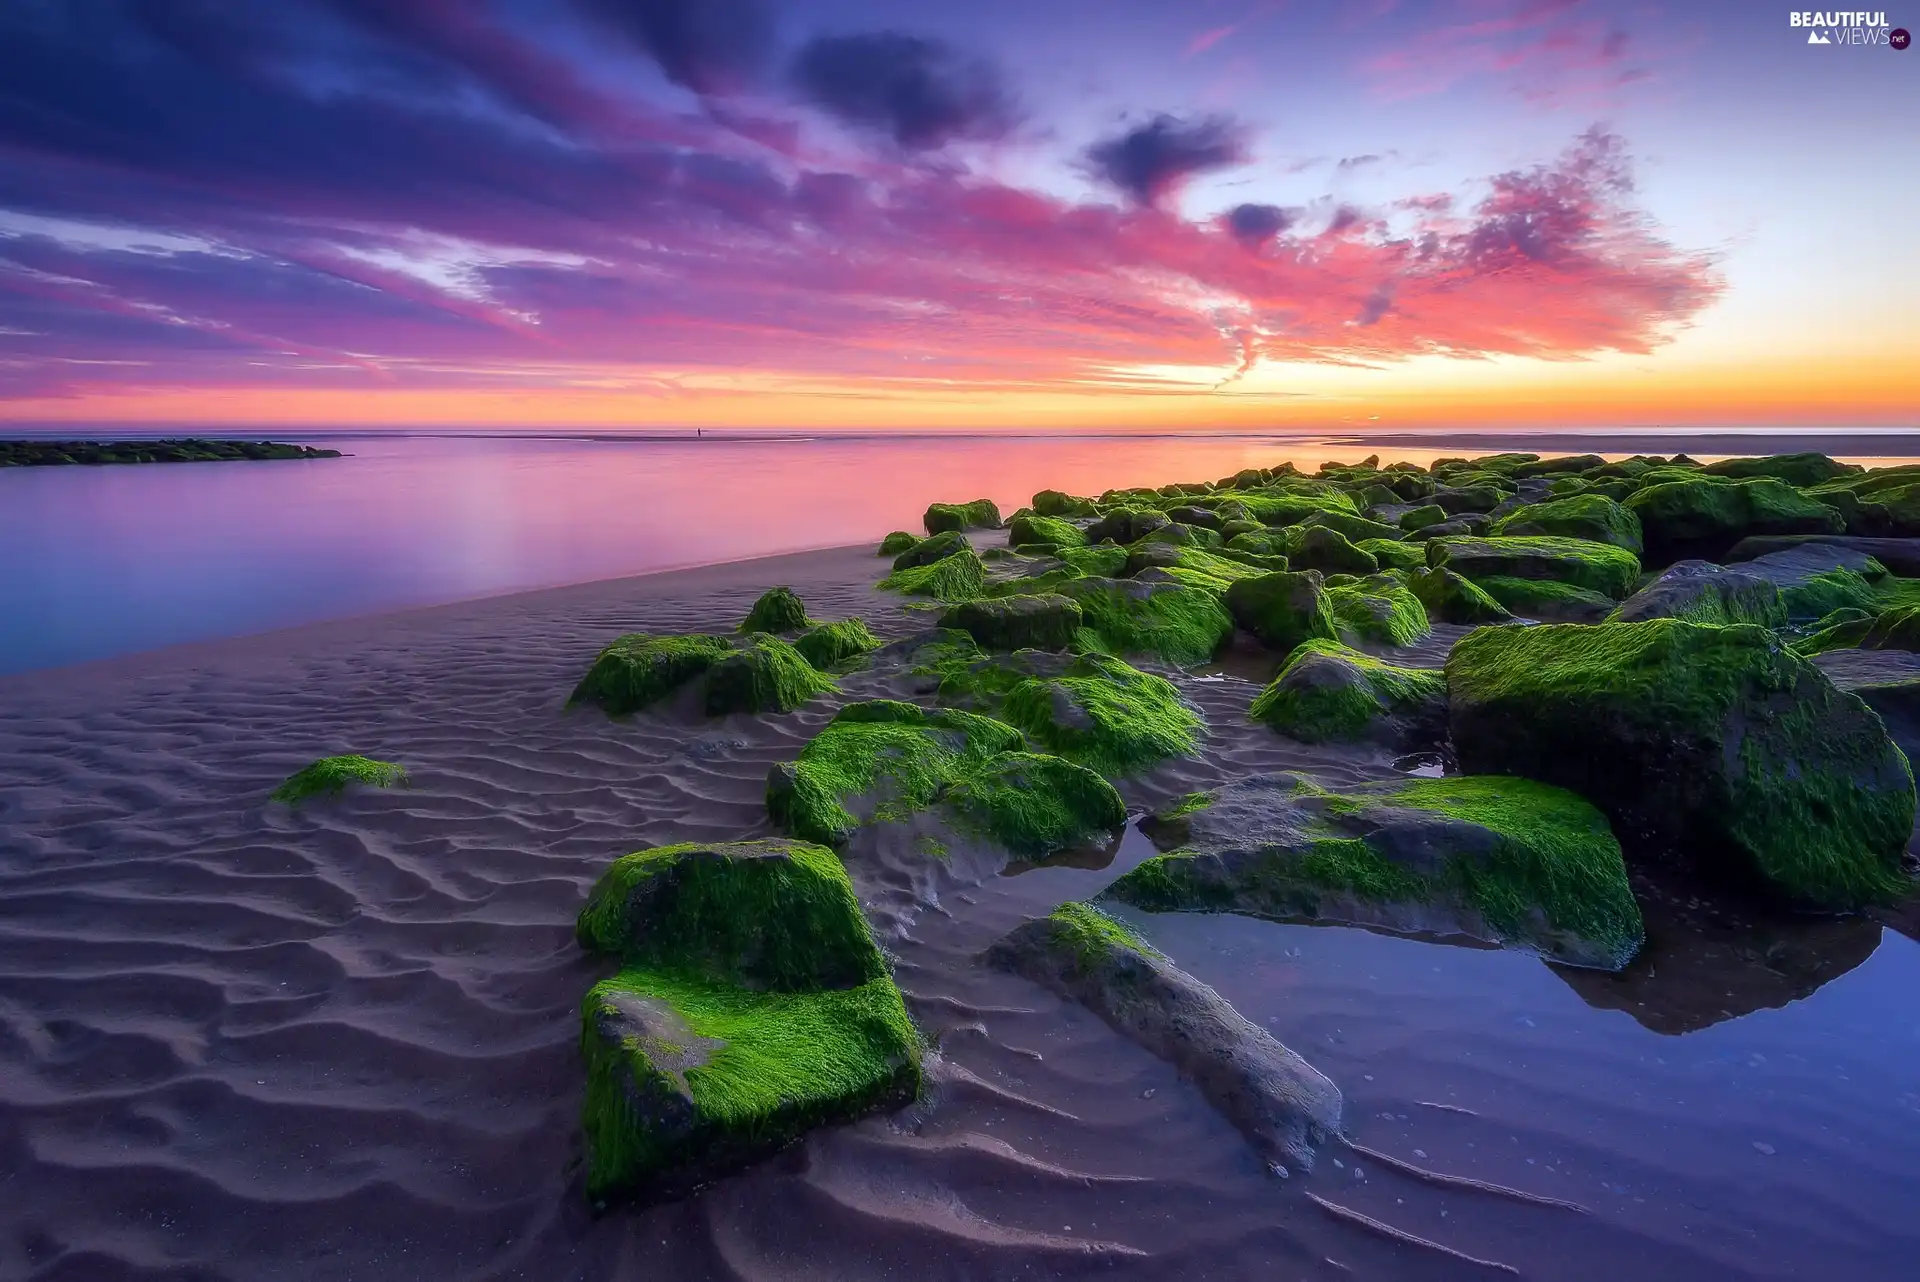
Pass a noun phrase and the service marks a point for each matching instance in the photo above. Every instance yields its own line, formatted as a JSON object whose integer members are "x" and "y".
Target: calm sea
{"x": 96, "y": 562}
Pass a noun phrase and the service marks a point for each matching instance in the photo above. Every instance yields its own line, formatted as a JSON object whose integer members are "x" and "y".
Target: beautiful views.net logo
{"x": 1848, "y": 28}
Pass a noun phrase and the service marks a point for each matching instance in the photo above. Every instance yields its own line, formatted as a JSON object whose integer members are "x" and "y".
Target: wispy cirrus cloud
{"x": 1571, "y": 52}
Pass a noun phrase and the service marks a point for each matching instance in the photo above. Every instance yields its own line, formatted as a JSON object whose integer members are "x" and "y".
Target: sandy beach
{"x": 238, "y": 1041}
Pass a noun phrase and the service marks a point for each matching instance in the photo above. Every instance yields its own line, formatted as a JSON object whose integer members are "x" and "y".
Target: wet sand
{"x": 240, "y": 1042}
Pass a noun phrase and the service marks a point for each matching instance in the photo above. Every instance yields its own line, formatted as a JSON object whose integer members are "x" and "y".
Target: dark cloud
{"x": 1150, "y": 161}
{"x": 1253, "y": 224}
{"x": 710, "y": 46}
{"x": 1355, "y": 162}
{"x": 921, "y": 93}
{"x": 1377, "y": 304}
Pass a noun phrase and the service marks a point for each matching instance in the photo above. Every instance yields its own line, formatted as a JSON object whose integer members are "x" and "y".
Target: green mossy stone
{"x": 1713, "y": 748}
{"x": 1102, "y": 713}
{"x": 1581, "y": 563}
{"x": 1328, "y": 692}
{"x": 1584, "y": 516}
{"x": 1056, "y": 503}
{"x": 1702, "y": 592}
{"x": 981, "y": 514}
{"x": 1033, "y": 804}
{"x": 1126, "y": 525}
{"x": 959, "y": 577}
{"x": 831, "y": 644}
{"x": 765, "y": 674}
{"x": 1284, "y": 609}
{"x": 1455, "y": 499}
{"x": 1044, "y": 531}
{"x": 1176, "y": 622}
{"x": 1329, "y": 551}
{"x": 1290, "y": 508}
{"x": 1421, "y": 517}
{"x": 1504, "y": 859}
{"x": 777, "y": 610}
{"x": 1844, "y": 634}
{"x": 1822, "y": 594}
{"x": 1454, "y": 598}
{"x": 1897, "y": 629}
{"x": 1395, "y": 555}
{"x": 1545, "y": 599}
{"x": 1794, "y": 469}
{"x": 1355, "y": 528}
{"x": 1704, "y": 517}
{"x": 331, "y": 776}
{"x": 753, "y": 1005}
{"x": 1103, "y": 562}
{"x": 1379, "y": 609}
{"x": 1047, "y": 621}
{"x": 637, "y": 670}
{"x": 1231, "y": 530}
{"x": 897, "y": 542}
{"x": 935, "y": 547}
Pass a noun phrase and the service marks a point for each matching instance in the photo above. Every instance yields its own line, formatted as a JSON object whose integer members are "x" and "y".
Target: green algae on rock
{"x": 1581, "y": 563}
{"x": 1283, "y": 609}
{"x": 1179, "y": 623}
{"x": 1702, "y": 592}
{"x": 777, "y": 610}
{"x": 637, "y": 670}
{"x": 331, "y": 776}
{"x": 882, "y": 760}
{"x": 1705, "y": 517}
{"x": 832, "y": 643}
{"x": 1505, "y": 860}
{"x": 1058, "y": 503}
{"x": 1322, "y": 548}
{"x": 1716, "y": 749}
{"x": 935, "y": 547}
{"x": 959, "y": 577}
{"x": 753, "y": 1006}
{"x": 1328, "y": 692}
{"x": 981, "y": 514}
{"x": 1794, "y": 469}
{"x": 1047, "y": 621}
{"x": 1283, "y": 1106}
{"x": 1103, "y": 713}
{"x": 1393, "y": 554}
{"x": 764, "y": 674}
{"x": 1545, "y": 600}
{"x": 1380, "y": 609}
{"x": 897, "y": 542}
{"x": 1454, "y": 598}
{"x": 1583, "y": 516}
{"x": 1127, "y": 525}
{"x": 1044, "y": 532}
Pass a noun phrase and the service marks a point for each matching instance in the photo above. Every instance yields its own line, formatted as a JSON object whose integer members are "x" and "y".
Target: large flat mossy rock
{"x": 1454, "y": 598}
{"x": 1045, "y": 621}
{"x": 1545, "y": 600}
{"x": 1105, "y": 714}
{"x": 981, "y": 514}
{"x": 1034, "y": 530}
{"x": 960, "y": 576}
{"x": 752, "y": 1006}
{"x": 1379, "y": 608}
{"x": 1702, "y": 592}
{"x": 1583, "y": 516}
{"x": 1127, "y": 525}
{"x": 1795, "y": 469}
{"x": 1330, "y": 693}
{"x": 1282, "y": 1104}
{"x": 828, "y": 644}
{"x": 1713, "y": 749}
{"x": 1180, "y": 623}
{"x": 1283, "y": 609}
{"x": 755, "y": 673}
{"x": 764, "y": 674}
{"x": 1320, "y": 547}
{"x": 1496, "y": 859}
{"x": 1580, "y": 563}
{"x": 882, "y": 761}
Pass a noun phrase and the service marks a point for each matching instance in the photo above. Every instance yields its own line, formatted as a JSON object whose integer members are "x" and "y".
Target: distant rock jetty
{"x": 183, "y": 450}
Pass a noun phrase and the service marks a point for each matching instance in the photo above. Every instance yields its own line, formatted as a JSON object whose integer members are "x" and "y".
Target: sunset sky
{"x": 997, "y": 213}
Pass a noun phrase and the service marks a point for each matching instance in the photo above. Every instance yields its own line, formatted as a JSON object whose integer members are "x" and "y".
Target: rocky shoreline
{"x": 169, "y": 450}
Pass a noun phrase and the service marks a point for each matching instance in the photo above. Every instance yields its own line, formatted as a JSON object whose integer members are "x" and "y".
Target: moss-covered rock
{"x": 1546, "y": 600}
{"x": 1283, "y": 609}
{"x": 1421, "y": 517}
{"x": 1355, "y": 528}
{"x": 1045, "y": 532}
{"x": 1584, "y": 516}
{"x": 1392, "y": 554}
{"x": 1329, "y": 551}
{"x": 1453, "y": 598}
{"x": 1702, "y": 592}
{"x": 1455, "y": 500}
{"x": 1703, "y": 517}
{"x": 1896, "y": 629}
{"x": 753, "y": 1006}
{"x": 959, "y": 577}
{"x": 881, "y": 761}
{"x": 1794, "y": 469}
{"x": 1291, "y": 507}
{"x": 1713, "y": 748}
{"x": 1841, "y": 634}
{"x": 1328, "y": 692}
{"x": 981, "y": 514}
{"x": 638, "y": 670}
{"x": 1380, "y": 609}
{"x": 1060, "y": 504}
{"x": 1582, "y": 563}
{"x": 764, "y": 674}
{"x": 1505, "y": 860}
{"x": 1047, "y": 621}
{"x": 834, "y": 643}
{"x": 1105, "y": 561}
{"x": 1102, "y": 713}
{"x": 1126, "y": 525}
{"x": 935, "y": 547}
{"x": 897, "y": 542}
{"x": 777, "y": 610}
{"x": 1174, "y": 621}
{"x": 1276, "y": 1099}
{"x": 331, "y": 776}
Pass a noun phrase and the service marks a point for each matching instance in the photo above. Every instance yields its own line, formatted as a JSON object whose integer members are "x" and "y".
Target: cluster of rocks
{"x": 1630, "y": 684}
{"x": 190, "y": 449}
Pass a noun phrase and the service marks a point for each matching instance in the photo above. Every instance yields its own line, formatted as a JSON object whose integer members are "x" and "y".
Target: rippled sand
{"x": 242, "y": 1042}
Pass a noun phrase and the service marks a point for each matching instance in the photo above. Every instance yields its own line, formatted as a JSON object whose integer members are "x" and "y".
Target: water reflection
{"x": 1706, "y": 962}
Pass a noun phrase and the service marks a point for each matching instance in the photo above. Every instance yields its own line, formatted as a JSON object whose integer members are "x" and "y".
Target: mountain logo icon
{"x": 1815, "y": 38}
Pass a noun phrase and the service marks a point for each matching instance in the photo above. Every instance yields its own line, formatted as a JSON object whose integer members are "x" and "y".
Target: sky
{"x": 1165, "y": 214}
